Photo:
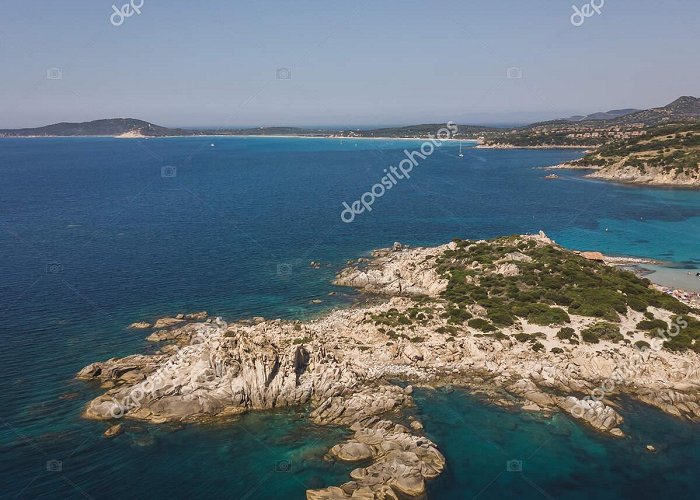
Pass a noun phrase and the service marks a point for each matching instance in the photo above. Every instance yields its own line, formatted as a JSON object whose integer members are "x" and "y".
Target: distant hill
{"x": 574, "y": 131}
{"x": 606, "y": 115}
{"x": 110, "y": 127}
{"x": 423, "y": 130}
{"x": 683, "y": 109}
{"x": 130, "y": 127}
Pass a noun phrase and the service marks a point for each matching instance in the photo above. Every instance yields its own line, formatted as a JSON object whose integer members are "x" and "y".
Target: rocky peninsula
{"x": 661, "y": 156}
{"x": 519, "y": 320}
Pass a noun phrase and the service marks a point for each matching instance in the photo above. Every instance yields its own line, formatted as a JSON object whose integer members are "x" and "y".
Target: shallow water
{"x": 492, "y": 453}
{"x": 94, "y": 238}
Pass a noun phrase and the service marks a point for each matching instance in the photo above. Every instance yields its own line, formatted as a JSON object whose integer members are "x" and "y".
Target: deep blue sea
{"x": 98, "y": 232}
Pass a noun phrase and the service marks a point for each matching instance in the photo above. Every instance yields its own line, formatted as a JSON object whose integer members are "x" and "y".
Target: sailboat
{"x": 461, "y": 155}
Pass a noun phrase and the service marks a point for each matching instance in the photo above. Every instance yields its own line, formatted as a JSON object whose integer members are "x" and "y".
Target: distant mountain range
{"x": 606, "y": 115}
{"x": 683, "y": 109}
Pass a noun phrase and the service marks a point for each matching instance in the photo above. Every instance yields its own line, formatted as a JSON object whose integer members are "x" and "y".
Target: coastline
{"x": 473, "y": 143}
{"x": 597, "y": 173}
{"x": 666, "y": 279}
{"x": 511, "y": 146}
{"x": 233, "y": 136}
{"x": 341, "y": 363}
{"x": 568, "y": 166}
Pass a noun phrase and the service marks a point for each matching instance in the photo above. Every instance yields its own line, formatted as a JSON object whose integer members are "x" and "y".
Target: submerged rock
{"x": 166, "y": 322}
{"x": 113, "y": 431}
{"x": 140, "y": 325}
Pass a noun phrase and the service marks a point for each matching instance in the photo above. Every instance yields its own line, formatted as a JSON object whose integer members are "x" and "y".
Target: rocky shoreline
{"x": 648, "y": 176}
{"x": 634, "y": 175}
{"x": 342, "y": 364}
{"x": 500, "y": 145}
{"x": 569, "y": 166}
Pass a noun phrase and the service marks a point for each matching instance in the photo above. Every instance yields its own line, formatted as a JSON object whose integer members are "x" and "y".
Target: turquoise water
{"x": 559, "y": 459}
{"x": 94, "y": 238}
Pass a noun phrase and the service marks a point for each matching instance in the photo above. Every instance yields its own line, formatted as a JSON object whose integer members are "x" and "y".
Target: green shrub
{"x": 457, "y": 316}
{"x": 589, "y": 337}
{"x": 542, "y": 314}
{"x": 602, "y": 331}
{"x": 636, "y": 304}
{"x": 653, "y": 324}
{"x": 481, "y": 324}
{"x": 447, "y": 330}
{"x": 642, "y": 345}
{"x": 422, "y": 314}
{"x": 567, "y": 333}
{"x": 393, "y": 335}
{"x": 500, "y": 317}
{"x": 537, "y": 346}
{"x": 557, "y": 350}
{"x": 687, "y": 334}
{"x": 523, "y": 337}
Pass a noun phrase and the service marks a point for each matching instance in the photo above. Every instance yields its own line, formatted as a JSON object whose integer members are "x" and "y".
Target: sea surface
{"x": 97, "y": 233}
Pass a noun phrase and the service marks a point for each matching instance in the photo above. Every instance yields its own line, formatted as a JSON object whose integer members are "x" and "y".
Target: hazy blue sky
{"x": 214, "y": 62}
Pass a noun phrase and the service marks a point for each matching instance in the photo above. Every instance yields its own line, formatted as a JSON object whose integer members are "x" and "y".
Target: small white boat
{"x": 461, "y": 155}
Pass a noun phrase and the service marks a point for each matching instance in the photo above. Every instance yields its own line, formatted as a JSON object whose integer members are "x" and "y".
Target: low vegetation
{"x": 673, "y": 150}
{"x": 686, "y": 337}
{"x": 550, "y": 281}
{"x": 601, "y": 331}
{"x": 550, "y": 285}
{"x": 510, "y": 281}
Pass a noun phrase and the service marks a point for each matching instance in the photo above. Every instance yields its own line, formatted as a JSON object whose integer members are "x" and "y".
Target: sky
{"x": 360, "y": 63}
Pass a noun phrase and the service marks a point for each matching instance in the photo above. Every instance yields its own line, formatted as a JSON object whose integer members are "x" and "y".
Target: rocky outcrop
{"x": 140, "y": 325}
{"x": 120, "y": 371}
{"x": 339, "y": 365}
{"x": 166, "y": 322}
{"x": 595, "y": 413}
{"x": 113, "y": 431}
{"x": 401, "y": 462}
{"x": 346, "y": 410}
{"x": 223, "y": 370}
{"x": 648, "y": 175}
{"x": 397, "y": 271}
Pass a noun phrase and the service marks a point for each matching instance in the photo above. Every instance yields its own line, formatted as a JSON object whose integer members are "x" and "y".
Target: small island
{"x": 518, "y": 320}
